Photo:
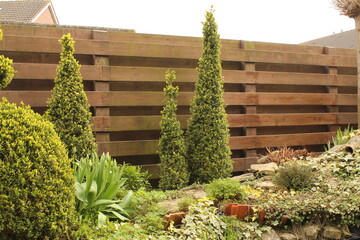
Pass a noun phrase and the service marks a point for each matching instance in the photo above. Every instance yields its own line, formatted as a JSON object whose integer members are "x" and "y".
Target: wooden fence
{"x": 276, "y": 94}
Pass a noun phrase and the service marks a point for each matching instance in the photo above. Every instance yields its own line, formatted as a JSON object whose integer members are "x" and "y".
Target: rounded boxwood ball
{"x": 36, "y": 180}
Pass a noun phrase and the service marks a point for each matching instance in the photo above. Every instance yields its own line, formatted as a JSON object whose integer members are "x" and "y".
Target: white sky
{"x": 281, "y": 21}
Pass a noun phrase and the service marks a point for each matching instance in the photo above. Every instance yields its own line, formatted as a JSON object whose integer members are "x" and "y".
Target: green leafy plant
{"x": 146, "y": 201}
{"x": 173, "y": 165}
{"x": 208, "y": 151}
{"x": 223, "y": 189}
{"x": 241, "y": 230}
{"x": 201, "y": 222}
{"x": 37, "y": 185}
{"x": 185, "y": 203}
{"x": 151, "y": 222}
{"x": 342, "y": 137}
{"x": 7, "y": 72}
{"x": 136, "y": 177}
{"x": 97, "y": 182}
{"x": 68, "y": 105}
{"x": 294, "y": 175}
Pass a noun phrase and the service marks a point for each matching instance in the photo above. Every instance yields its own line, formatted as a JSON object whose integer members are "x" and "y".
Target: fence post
{"x": 102, "y": 85}
{"x": 250, "y": 109}
{"x": 331, "y": 89}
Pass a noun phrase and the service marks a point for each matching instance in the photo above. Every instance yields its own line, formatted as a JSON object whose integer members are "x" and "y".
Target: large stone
{"x": 171, "y": 206}
{"x": 267, "y": 169}
{"x": 287, "y": 236}
{"x": 266, "y": 184}
{"x": 311, "y": 231}
{"x": 332, "y": 232}
{"x": 195, "y": 193}
{"x": 271, "y": 235}
{"x": 244, "y": 177}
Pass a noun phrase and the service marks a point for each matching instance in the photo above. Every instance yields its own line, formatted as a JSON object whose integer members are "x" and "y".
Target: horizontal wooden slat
{"x": 92, "y": 47}
{"x": 141, "y": 123}
{"x": 148, "y": 147}
{"x": 147, "y": 74}
{"x": 239, "y": 165}
{"x": 48, "y": 71}
{"x": 40, "y": 98}
{"x": 130, "y": 98}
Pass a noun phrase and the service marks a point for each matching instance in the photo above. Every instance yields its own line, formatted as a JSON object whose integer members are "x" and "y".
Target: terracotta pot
{"x": 242, "y": 211}
{"x": 174, "y": 217}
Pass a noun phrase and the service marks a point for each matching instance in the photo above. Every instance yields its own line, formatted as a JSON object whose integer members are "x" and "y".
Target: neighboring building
{"x": 28, "y": 11}
{"x": 340, "y": 40}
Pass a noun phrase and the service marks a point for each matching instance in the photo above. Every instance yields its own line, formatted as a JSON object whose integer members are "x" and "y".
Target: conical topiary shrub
{"x": 208, "y": 151}
{"x": 173, "y": 166}
{"x": 68, "y": 105}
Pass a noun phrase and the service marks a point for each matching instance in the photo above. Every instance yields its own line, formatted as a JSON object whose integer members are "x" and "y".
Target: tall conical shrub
{"x": 208, "y": 151}
{"x": 68, "y": 105}
{"x": 173, "y": 166}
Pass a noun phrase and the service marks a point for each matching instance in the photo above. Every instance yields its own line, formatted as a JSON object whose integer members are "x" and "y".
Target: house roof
{"x": 341, "y": 40}
{"x": 23, "y": 10}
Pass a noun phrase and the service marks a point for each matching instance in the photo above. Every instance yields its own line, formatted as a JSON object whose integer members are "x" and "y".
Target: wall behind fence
{"x": 276, "y": 94}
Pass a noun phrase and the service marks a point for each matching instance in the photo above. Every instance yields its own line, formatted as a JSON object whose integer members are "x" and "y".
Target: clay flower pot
{"x": 242, "y": 211}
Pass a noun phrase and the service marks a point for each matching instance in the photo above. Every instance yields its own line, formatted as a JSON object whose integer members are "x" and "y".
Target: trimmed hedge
{"x": 37, "y": 183}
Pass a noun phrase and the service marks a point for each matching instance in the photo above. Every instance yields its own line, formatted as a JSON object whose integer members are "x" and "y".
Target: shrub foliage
{"x": 173, "y": 165}
{"x": 37, "y": 184}
{"x": 208, "y": 150}
{"x": 68, "y": 106}
{"x": 6, "y": 70}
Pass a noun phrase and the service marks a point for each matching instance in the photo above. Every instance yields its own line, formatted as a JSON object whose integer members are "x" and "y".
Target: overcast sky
{"x": 281, "y": 21}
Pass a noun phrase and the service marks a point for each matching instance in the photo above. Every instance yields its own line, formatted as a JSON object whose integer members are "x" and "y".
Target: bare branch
{"x": 350, "y": 8}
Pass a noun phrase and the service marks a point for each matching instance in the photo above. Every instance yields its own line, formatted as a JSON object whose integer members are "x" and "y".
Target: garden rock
{"x": 311, "y": 231}
{"x": 287, "y": 236}
{"x": 171, "y": 206}
{"x": 266, "y": 184}
{"x": 355, "y": 233}
{"x": 270, "y": 235}
{"x": 267, "y": 169}
{"x": 332, "y": 232}
{"x": 195, "y": 193}
{"x": 244, "y": 177}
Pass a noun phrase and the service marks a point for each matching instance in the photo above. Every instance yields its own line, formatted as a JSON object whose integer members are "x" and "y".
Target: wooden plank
{"x": 346, "y": 99}
{"x": 141, "y": 123}
{"x": 48, "y": 71}
{"x": 239, "y": 165}
{"x": 94, "y": 47}
{"x": 130, "y": 35}
{"x": 147, "y": 74}
{"x": 130, "y": 98}
{"x": 39, "y": 98}
{"x": 149, "y": 147}
{"x": 347, "y": 118}
{"x": 248, "y": 142}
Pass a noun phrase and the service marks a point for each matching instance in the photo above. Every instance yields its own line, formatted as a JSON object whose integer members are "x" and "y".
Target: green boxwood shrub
{"x": 224, "y": 189}
{"x": 172, "y": 151}
{"x": 7, "y": 72}
{"x": 37, "y": 183}
{"x": 208, "y": 150}
{"x": 68, "y": 105}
